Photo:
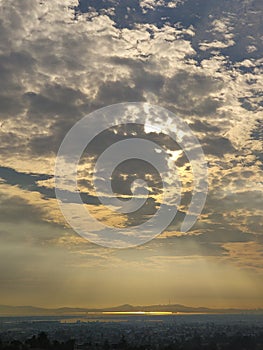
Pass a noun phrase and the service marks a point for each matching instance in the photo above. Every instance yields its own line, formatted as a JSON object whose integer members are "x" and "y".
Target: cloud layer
{"x": 59, "y": 62}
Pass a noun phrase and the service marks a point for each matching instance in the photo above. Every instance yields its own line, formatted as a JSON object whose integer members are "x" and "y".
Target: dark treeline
{"x": 197, "y": 342}
{"x": 39, "y": 342}
{"x": 215, "y": 342}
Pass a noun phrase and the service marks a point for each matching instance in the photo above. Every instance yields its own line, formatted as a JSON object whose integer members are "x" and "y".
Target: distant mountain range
{"x": 174, "y": 308}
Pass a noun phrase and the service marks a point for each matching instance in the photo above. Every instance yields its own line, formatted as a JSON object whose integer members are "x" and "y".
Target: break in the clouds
{"x": 201, "y": 60}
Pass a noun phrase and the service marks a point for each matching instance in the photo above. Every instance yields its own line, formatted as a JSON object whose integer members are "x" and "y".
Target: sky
{"x": 61, "y": 61}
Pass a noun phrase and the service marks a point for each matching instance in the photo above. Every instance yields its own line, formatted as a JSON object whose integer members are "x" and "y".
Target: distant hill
{"x": 175, "y": 308}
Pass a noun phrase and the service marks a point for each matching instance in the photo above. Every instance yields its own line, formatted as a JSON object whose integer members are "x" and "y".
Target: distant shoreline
{"x": 94, "y": 315}
{"x": 151, "y": 310}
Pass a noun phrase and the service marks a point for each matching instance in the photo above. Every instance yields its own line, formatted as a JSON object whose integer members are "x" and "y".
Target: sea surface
{"x": 147, "y": 317}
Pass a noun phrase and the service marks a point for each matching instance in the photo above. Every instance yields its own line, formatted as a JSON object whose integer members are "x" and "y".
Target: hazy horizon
{"x": 122, "y": 307}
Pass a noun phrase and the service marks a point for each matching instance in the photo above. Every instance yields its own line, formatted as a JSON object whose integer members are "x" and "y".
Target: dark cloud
{"x": 29, "y": 182}
{"x": 18, "y": 208}
{"x": 23, "y": 180}
{"x": 178, "y": 246}
{"x": 117, "y": 92}
{"x": 218, "y": 146}
{"x": 55, "y": 101}
{"x": 190, "y": 93}
{"x": 205, "y": 127}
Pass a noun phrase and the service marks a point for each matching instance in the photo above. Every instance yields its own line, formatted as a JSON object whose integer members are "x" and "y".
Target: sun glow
{"x": 157, "y": 313}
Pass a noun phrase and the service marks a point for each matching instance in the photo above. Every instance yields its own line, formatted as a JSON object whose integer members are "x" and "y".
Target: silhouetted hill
{"x": 6, "y": 310}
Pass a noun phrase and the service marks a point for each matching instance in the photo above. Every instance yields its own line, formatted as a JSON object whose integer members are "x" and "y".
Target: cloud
{"x": 61, "y": 61}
